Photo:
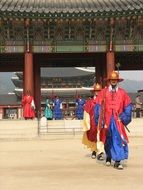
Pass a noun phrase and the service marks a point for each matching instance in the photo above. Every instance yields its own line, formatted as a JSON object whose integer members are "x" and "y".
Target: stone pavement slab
{"x": 65, "y": 165}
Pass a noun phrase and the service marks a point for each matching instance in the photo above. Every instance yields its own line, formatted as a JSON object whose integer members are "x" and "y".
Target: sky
{"x": 132, "y": 75}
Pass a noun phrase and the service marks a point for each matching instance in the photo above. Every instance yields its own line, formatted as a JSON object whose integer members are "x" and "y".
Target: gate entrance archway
{"x": 15, "y": 62}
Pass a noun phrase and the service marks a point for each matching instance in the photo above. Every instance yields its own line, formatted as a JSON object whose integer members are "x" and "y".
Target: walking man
{"x": 90, "y": 130}
{"x": 117, "y": 107}
{"x": 138, "y": 105}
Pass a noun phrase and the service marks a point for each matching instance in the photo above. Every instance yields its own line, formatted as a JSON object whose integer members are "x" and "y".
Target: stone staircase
{"x": 61, "y": 127}
{"x": 28, "y": 129}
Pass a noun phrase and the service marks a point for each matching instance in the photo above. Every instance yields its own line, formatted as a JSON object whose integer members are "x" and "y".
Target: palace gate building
{"x": 105, "y": 34}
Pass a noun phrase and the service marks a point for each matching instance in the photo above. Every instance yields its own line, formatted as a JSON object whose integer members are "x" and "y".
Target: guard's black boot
{"x": 93, "y": 155}
{"x": 118, "y": 165}
{"x": 108, "y": 161}
{"x": 100, "y": 156}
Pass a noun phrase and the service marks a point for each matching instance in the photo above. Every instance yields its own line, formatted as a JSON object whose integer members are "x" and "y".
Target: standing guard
{"x": 79, "y": 107}
{"x": 28, "y": 106}
{"x": 48, "y": 111}
{"x": 57, "y": 108}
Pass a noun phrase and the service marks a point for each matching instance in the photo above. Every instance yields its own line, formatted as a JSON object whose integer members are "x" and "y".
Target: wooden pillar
{"x": 28, "y": 73}
{"x": 104, "y": 73}
{"x": 37, "y": 89}
{"x": 110, "y": 58}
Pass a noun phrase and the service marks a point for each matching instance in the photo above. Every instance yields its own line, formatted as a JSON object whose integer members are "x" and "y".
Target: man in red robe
{"x": 115, "y": 107}
{"x": 28, "y": 106}
{"x": 90, "y": 130}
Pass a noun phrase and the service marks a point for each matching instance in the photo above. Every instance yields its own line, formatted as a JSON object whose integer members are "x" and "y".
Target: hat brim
{"x": 119, "y": 80}
{"x": 93, "y": 90}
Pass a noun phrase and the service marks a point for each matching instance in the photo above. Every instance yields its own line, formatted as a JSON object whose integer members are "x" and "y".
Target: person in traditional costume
{"x": 90, "y": 130}
{"x": 28, "y": 106}
{"x": 113, "y": 112}
{"x": 57, "y": 108}
{"x": 48, "y": 111}
{"x": 138, "y": 106}
{"x": 79, "y": 107}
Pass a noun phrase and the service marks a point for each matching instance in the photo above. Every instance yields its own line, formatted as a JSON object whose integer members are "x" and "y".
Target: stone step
{"x": 64, "y": 123}
{"x": 53, "y": 123}
{"x": 29, "y": 128}
{"x": 61, "y": 127}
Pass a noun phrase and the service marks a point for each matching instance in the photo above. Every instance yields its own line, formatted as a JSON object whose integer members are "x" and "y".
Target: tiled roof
{"x": 62, "y": 72}
{"x": 8, "y": 99}
{"x": 65, "y": 72}
{"x": 98, "y": 7}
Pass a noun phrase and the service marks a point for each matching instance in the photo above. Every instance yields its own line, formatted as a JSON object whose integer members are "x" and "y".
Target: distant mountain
{"x": 7, "y": 86}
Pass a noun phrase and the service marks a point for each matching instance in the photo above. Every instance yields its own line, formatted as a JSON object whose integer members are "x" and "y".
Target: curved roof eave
{"x": 51, "y": 72}
{"x": 65, "y": 72}
{"x": 84, "y": 8}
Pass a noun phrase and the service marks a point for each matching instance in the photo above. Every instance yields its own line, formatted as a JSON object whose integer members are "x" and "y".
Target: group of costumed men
{"x": 106, "y": 117}
{"x": 53, "y": 109}
{"x": 29, "y": 107}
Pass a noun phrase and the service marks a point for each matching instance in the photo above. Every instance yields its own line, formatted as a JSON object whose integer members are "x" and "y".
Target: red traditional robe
{"x": 28, "y": 110}
{"x": 90, "y": 131}
{"x": 117, "y": 114}
{"x": 116, "y": 104}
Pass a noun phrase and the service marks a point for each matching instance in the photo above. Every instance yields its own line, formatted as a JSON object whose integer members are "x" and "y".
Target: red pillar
{"x": 110, "y": 57}
{"x": 37, "y": 88}
{"x": 28, "y": 73}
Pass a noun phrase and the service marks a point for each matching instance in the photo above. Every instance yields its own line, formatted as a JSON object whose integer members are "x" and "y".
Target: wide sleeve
{"x": 126, "y": 115}
{"x": 97, "y": 106}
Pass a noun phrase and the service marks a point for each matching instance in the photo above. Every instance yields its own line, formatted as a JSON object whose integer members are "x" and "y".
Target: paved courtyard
{"x": 65, "y": 164}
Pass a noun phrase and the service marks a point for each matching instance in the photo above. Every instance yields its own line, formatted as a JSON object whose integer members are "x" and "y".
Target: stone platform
{"x": 29, "y": 129}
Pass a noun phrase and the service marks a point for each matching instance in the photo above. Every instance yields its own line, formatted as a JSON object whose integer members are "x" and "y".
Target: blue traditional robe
{"x": 117, "y": 110}
{"x": 57, "y": 111}
{"x": 79, "y": 109}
